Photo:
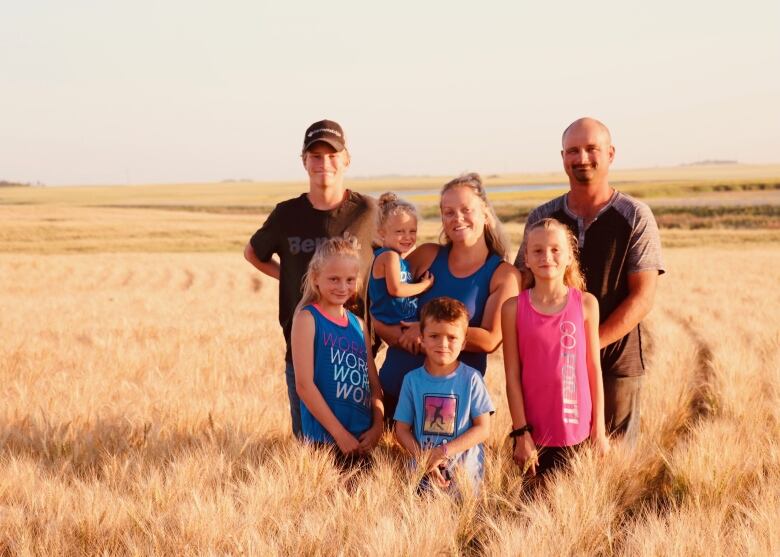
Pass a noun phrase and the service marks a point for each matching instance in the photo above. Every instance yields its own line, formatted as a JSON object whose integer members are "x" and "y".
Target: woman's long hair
{"x": 346, "y": 246}
{"x": 495, "y": 237}
{"x": 573, "y": 275}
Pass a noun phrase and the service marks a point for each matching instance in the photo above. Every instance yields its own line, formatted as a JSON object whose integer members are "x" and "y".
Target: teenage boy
{"x": 297, "y": 226}
{"x": 443, "y": 412}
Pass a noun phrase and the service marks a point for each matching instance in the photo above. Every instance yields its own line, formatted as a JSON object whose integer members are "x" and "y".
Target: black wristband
{"x": 521, "y": 430}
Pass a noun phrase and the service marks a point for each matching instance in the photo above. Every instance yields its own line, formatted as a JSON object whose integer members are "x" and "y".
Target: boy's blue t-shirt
{"x": 384, "y": 307}
{"x": 440, "y": 409}
{"x": 340, "y": 374}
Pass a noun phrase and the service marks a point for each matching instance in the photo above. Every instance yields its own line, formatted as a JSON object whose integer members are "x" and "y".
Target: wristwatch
{"x": 521, "y": 430}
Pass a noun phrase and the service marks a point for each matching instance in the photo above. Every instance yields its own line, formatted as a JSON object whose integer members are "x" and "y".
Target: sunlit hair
{"x": 390, "y": 205}
{"x": 495, "y": 237}
{"x": 346, "y": 246}
{"x": 573, "y": 275}
{"x": 444, "y": 310}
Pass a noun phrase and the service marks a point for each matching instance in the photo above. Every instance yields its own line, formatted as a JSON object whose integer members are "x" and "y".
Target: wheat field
{"x": 143, "y": 411}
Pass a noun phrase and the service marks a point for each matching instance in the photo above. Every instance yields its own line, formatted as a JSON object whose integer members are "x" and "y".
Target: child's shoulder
{"x": 465, "y": 370}
{"x": 417, "y": 374}
{"x": 589, "y": 303}
{"x": 382, "y": 253}
{"x": 470, "y": 376}
{"x": 354, "y": 317}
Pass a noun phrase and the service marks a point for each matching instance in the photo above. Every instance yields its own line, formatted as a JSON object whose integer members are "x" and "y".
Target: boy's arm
{"x": 405, "y": 437}
{"x": 302, "y": 342}
{"x": 473, "y": 436}
{"x": 390, "y": 263}
{"x": 590, "y": 308}
{"x": 369, "y": 438}
{"x": 524, "y": 447}
{"x": 270, "y": 267}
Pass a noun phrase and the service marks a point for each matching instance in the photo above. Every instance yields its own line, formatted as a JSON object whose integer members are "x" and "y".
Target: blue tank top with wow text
{"x": 340, "y": 374}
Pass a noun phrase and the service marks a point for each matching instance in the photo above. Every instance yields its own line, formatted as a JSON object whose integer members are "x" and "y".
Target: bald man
{"x": 620, "y": 256}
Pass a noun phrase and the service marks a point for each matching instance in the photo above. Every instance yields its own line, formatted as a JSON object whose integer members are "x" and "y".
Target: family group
{"x": 567, "y": 312}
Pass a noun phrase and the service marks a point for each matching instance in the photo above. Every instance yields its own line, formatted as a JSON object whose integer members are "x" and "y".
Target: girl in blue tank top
{"x": 469, "y": 265}
{"x": 335, "y": 376}
{"x": 392, "y": 293}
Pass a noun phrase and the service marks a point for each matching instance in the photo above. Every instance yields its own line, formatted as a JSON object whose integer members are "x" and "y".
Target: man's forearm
{"x": 625, "y": 317}
{"x": 634, "y": 308}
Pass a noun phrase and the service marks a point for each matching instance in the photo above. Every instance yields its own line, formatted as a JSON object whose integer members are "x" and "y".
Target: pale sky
{"x": 98, "y": 92}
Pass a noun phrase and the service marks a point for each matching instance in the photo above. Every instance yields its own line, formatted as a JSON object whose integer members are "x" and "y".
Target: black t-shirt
{"x": 622, "y": 239}
{"x": 294, "y": 229}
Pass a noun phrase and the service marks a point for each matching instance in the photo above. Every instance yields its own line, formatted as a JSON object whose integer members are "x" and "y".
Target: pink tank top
{"x": 554, "y": 375}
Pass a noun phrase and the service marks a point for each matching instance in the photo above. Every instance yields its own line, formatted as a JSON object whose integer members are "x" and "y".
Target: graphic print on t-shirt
{"x": 440, "y": 414}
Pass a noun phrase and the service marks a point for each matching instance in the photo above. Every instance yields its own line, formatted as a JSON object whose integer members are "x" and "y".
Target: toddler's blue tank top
{"x": 384, "y": 307}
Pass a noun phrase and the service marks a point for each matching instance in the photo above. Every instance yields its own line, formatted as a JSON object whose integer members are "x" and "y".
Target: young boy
{"x": 443, "y": 412}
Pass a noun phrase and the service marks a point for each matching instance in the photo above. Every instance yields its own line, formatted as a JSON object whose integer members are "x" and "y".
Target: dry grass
{"x": 144, "y": 413}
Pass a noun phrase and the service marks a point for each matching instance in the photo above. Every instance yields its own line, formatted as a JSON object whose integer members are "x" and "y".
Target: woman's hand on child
{"x": 410, "y": 339}
{"x": 370, "y": 437}
{"x": 525, "y": 454}
{"x": 346, "y": 442}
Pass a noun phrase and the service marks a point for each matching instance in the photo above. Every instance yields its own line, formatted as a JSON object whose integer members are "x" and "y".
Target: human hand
{"x": 426, "y": 279}
{"x": 437, "y": 475}
{"x": 370, "y": 437}
{"x": 436, "y": 458}
{"x": 410, "y": 339}
{"x": 600, "y": 442}
{"x": 346, "y": 442}
{"x": 525, "y": 454}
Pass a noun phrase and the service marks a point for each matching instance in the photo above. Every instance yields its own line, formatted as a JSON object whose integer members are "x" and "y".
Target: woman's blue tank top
{"x": 340, "y": 374}
{"x": 384, "y": 307}
{"x": 472, "y": 290}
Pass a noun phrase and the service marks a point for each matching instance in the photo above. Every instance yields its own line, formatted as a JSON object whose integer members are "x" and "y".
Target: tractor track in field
{"x": 652, "y": 487}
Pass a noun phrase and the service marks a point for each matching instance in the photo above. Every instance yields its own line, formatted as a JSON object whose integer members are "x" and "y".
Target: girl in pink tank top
{"x": 551, "y": 353}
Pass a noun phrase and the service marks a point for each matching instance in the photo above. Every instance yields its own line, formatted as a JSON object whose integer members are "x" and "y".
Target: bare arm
{"x": 270, "y": 268}
{"x": 405, "y": 438}
{"x": 524, "y": 448}
{"x": 388, "y": 266}
{"x": 590, "y": 308}
{"x": 503, "y": 285}
{"x": 369, "y": 439}
{"x": 476, "y": 434}
{"x": 303, "y": 361}
{"x": 638, "y": 303}
{"x": 439, "y": 456}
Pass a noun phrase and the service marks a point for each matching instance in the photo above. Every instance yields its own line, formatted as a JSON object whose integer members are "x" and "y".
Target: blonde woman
{"x": 470, "y": 265}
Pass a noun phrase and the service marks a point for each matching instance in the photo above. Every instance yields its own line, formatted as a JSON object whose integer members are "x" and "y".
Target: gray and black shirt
{"x": 622, "y": 239}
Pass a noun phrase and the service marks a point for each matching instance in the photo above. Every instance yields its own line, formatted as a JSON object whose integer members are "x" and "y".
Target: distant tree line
{"x": 7, "y": 184}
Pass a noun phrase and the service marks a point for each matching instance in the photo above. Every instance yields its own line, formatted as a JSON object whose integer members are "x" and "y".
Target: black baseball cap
{"x": 326, "y": 131}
